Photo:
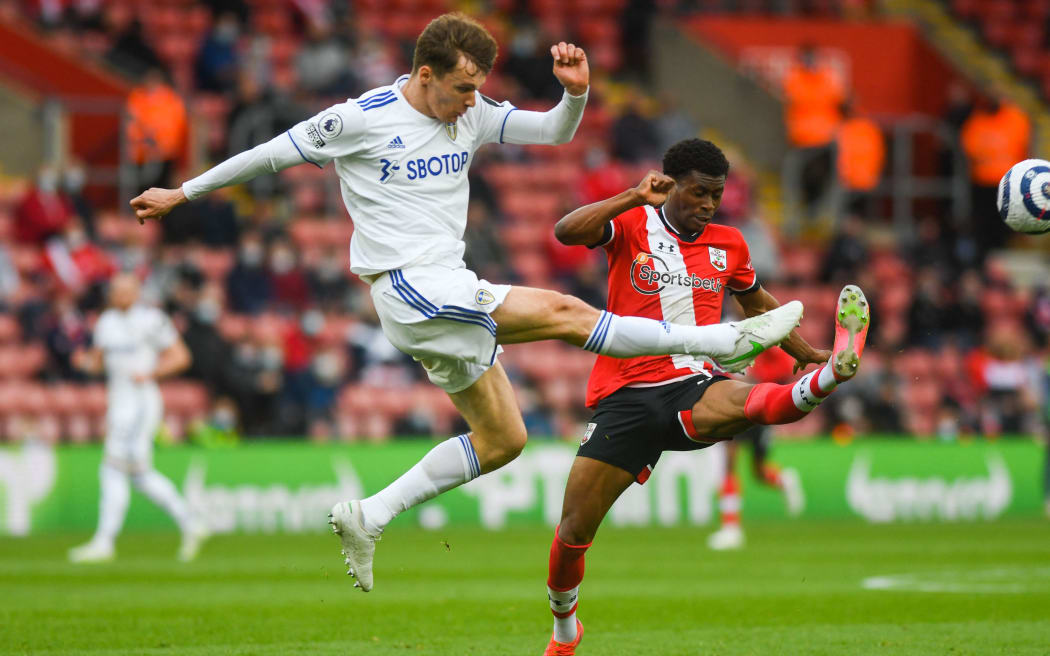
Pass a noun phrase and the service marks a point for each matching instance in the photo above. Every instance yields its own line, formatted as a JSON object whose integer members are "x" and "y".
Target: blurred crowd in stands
{"x": 284, "y": 339}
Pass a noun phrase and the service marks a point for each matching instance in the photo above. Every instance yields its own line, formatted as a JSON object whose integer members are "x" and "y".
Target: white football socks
{"x": 803, "y": 394}
{"x": 563, "y": 605}
{"x": 447, "y": 465}
{"x": 115, "y": 493}
{"x": 628, "y": 337}
{"x": 162, "y": 492}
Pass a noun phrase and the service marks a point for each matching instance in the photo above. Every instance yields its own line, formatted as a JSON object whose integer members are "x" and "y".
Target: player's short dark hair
{"x": 695, "y": 155}
{"x": 447, "y": 37}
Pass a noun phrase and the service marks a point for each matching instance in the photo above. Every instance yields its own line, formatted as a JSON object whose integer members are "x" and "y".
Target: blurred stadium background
{"x": 866, "y": 140}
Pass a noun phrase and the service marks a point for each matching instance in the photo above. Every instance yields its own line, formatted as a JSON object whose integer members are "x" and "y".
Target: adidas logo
{"x": 396, "y": 143}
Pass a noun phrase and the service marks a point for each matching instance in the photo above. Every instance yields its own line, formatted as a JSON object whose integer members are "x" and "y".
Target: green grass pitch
{"x": 796, "y": 589}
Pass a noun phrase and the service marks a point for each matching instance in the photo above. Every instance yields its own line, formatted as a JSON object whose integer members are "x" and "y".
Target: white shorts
{"x": 440, "y": 316}
{"x": 133, "y": 416}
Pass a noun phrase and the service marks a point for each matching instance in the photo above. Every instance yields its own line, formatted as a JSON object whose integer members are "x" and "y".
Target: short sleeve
{"x": 491, "y": 118}
{"x": 334, "y": 132}
{"x": 743, "y": 279}
{"x": 162, "y": 333}
{"x": 98, "y": 336}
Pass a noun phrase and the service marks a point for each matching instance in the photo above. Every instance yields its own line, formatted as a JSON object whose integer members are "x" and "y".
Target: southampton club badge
{"x": 587, "y": 433}
{"x": 718, "y": 257}
{"x": 452, "y": 129}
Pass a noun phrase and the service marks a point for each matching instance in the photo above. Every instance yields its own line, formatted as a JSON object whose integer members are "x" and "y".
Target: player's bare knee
{"x": 575, "y": 529}
{"x": 506, "y": 445}
{"x": 573, "y": 316}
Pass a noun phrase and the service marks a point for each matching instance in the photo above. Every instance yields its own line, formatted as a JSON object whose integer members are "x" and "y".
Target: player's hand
{"x": 154, "y": 203}
{"x": 816, "y": 356}
{"x": 654, "y": 188}
{"x": 570, "y": 67}
{"x": 79, "y": 359}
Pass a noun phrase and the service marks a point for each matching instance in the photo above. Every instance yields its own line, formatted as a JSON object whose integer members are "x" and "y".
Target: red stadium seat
{"x": 523, "y": 235}
{"x": 10, "y": 331}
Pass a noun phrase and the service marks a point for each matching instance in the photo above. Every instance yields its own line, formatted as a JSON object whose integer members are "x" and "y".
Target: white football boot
{"x": 359, "y": 546}
{"x": 759, "y": 333}
{"x": 95, "y": 551}
{"x": 192, "y": 539}
{"x": 726, "y": 538}
{"x": 794, "y": 496}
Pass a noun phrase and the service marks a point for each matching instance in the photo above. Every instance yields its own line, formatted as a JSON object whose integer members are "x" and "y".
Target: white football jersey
{"x": 131, "y": 341}
{"x": 403, "y": 175}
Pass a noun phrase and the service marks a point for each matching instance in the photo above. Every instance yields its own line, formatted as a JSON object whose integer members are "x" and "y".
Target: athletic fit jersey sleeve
{"x": 744, "y": 278}
{"x": 338, "y": 131}
{"x": 492, "y": 118}
{"x": 616, "y": 229}
{"x": 99, "y": 334}
{"x": 335, "y": 132}
{"x": 275, "y": 155}
{"x": 554, "y": 126}
{"x": 161, "y": 332}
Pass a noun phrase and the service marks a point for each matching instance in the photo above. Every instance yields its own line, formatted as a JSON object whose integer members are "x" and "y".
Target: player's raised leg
{"x": 497, "y": 436}
{"x": 592, "y": 488}
{"x": 529, "y": 315}
{"x": 730, "y": 406}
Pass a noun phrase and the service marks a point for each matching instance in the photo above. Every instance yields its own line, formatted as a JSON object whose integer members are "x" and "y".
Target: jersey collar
{"x": 688, "y": 237}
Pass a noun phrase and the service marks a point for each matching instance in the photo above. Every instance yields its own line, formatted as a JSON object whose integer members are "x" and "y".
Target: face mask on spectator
{"x": 282, "y": 261}
{"x": 208, "y": 311}
{"x": 74, "y": 179}
{"x": 226, "y": 32}
{"x": 251, "y": 254}
{"x": 272, "y": 358}
{"x": 326, "y": 368}
{"x": 223, "y": 419}
{"x": 47, "y": 181}
{"x": 329, "y": 268}
{"x": 523, "y": 43}
{"x": 312, "y": 322}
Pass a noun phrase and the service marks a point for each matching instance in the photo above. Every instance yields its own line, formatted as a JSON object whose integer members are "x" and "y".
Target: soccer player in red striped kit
{"x": 667, "y": 261}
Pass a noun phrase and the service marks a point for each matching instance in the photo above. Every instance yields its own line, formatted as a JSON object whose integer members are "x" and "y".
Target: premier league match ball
{"x": 1024, "y": 196}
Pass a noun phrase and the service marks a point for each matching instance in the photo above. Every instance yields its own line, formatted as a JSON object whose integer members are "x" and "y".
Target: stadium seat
{"x": 524, "y": 235}
{"x": 10, "y": 331}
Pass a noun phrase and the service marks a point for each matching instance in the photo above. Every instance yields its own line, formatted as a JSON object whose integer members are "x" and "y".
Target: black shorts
{"x": 632, "y": 426}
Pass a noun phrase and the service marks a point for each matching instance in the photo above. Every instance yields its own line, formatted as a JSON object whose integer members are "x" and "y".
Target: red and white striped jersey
{"x": 657, "y": 273}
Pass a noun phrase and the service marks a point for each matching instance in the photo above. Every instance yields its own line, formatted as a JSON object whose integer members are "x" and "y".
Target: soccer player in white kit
{"x": 135, "y": 346}
{"x": 401, "y": 153}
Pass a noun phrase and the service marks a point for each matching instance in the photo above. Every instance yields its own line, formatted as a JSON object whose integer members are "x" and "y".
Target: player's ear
{"x": 426, "y": 74}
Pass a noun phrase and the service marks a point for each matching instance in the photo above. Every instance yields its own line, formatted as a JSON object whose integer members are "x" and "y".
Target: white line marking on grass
{"x": 998, "y": 580}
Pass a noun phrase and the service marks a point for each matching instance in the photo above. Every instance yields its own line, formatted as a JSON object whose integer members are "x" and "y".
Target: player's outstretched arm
{"x": 586, "y": 226}
{"x": 759, "y": 301}
{"x": 557, "y": 125}
{"x": 275, "y": 155}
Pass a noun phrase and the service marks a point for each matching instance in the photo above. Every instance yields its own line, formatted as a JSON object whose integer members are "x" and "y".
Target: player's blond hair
{"x": 447, "y": 37}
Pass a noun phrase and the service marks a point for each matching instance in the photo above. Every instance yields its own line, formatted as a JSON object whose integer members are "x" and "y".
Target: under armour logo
{"x": 665, "y": 248}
